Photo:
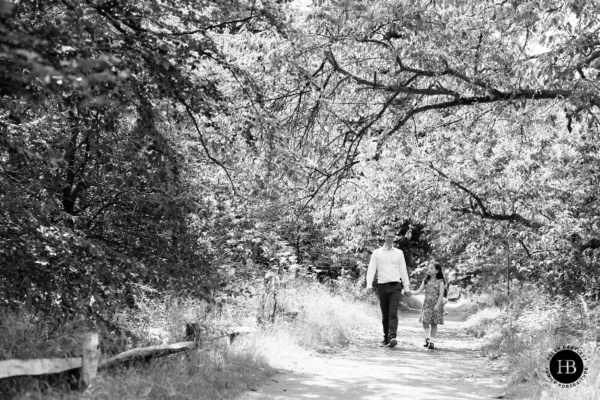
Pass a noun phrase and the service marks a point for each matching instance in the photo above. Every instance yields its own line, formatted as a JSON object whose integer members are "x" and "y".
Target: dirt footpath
{"x": 456, "y": 370}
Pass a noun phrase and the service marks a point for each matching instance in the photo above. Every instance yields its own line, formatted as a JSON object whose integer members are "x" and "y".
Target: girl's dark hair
{"x": 439, "y": 275}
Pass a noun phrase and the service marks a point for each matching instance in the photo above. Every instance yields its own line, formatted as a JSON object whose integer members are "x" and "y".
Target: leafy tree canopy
{"x": 169, "y": 144}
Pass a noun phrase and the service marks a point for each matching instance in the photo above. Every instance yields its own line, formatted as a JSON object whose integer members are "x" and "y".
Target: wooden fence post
{"x": 192, "y": 331}
{"x": 88, "y": 364}
{"x": 90, "y": 358}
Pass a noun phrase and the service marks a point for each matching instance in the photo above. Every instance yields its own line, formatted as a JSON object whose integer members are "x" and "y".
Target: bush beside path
{"x": 457, "y": 370}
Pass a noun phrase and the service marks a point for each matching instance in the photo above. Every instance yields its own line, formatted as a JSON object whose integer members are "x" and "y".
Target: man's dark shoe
{"x": 385, "y": 341}
{"x": 393, "y": 342}
{"x": 430, "y": 347}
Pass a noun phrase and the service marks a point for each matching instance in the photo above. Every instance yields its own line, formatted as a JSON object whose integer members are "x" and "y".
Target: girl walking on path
{"x": 432, "y": 313}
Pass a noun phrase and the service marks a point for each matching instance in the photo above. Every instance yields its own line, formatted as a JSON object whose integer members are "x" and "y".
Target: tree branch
{"x": 484, "y": 213}
{"x": 205, "y": 146}
{"x": 389, "y": 88}
{"x": 466, "y": 101}
{"x": 514, "y": 217}
{"x": 327, "y": 177}
{"x": 491, "y": 95}
{"x": 7, "y": 174}
{"x": 484, "y": 210}
{"x": 217, "y": 26}
{"x": 525, "y": 248}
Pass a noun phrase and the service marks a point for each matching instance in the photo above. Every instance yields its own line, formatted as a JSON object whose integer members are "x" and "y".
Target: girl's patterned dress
{"x": 428, "y": 314}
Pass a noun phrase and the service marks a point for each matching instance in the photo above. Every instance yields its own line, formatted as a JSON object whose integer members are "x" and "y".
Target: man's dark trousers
{"x": 389, "y": 299}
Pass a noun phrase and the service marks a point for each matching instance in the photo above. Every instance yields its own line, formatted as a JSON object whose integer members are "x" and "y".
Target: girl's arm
{"x": 440, "y": 296}
{"x": 420, "y": 289}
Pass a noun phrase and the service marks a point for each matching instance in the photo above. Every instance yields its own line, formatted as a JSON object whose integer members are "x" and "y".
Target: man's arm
{"x": 371, "y": 271}
{"x": 404, "y": 273}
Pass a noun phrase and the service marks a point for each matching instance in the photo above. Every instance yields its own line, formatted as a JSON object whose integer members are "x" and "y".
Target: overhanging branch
{"x": 514, "y": 217}
{"x": 441, "y": 94}
{"x": 481, "y": 210}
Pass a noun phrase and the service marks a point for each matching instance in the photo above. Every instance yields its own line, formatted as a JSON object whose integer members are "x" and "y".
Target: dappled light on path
{"x": 366, "y": 371}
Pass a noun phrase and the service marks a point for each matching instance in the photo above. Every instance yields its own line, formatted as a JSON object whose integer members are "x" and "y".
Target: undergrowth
{"x": 522, "y": 329}
{"x": 309, "y": 317}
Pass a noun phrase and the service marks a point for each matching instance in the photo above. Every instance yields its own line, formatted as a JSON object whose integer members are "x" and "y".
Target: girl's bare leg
{"x": 426, "y": 330}
{"x": 433, "y": 330}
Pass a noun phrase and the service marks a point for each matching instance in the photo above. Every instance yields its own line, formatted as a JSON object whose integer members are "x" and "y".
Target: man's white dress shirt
{"x": 389, "y": 265}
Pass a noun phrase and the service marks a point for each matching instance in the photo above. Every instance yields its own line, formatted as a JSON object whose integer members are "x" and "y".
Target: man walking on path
{"x": 392, "y": 277}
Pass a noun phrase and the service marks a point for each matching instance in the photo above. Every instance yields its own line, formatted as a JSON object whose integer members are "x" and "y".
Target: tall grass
{"x": 310, "y": 317}
{"x": 324, "y": 319}
{"x": 214, "y": 372}
{"x": 523, "y": 329}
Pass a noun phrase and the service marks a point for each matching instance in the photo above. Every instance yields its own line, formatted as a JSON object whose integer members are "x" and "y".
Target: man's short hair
{"x": 387, "y": 229}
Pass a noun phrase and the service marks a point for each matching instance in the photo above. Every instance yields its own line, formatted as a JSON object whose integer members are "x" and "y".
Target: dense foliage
{"x": 114, "y": 169}
{"x": 196, "y": 145}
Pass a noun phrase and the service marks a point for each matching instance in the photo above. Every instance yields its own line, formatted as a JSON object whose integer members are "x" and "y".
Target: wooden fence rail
{"x": 89, "y": 362}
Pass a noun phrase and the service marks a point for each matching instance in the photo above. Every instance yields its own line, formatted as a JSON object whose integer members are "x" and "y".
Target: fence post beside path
{"x": 89, "y": 364}
{"x": 192, "y": 331}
